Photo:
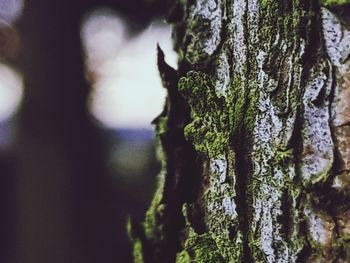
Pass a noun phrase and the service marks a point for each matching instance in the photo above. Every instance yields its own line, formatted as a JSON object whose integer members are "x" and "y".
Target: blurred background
{"x": 79, "y": 87}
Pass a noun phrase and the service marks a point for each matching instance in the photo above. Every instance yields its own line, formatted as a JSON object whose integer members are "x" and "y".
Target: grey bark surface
{"x": 254, "y": 137}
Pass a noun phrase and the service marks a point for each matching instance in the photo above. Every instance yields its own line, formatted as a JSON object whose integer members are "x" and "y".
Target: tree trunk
{"x": 64, "y": 201}
{"x": 255, "y": 136}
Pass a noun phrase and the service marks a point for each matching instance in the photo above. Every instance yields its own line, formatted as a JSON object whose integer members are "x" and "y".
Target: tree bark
{"x": 255, "y": 135}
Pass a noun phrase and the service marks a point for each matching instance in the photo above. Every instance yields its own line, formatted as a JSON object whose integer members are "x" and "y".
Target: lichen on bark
{"x": 254, "y": 135}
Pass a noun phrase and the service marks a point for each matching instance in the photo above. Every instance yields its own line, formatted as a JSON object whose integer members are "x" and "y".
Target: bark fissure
{"x": 241, "y": 142}
{"x": 242, "y": 198}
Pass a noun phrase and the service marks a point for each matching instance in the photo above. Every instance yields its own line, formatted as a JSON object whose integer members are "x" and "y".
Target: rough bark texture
{"x": 255, "y": 135}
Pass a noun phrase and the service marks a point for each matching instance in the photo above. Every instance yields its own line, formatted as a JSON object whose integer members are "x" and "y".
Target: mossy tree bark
{"x": 255, "y": 135}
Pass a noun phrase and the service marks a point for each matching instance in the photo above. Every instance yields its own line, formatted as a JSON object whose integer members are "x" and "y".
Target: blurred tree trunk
{"x": 65, "y": 212}
{"x": 255, "y": 136}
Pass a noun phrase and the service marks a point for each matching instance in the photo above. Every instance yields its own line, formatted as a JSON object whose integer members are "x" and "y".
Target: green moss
{"x": 230, "y": 249}
{"x": 162, "y": 125}
{"x": 283, "y": 156}
{"x": 183, "y": 257}
{"x": 257, "y": 253}
{"x": 152, "y": 228}
{"x": 137, "y": 252}
{"x": 129, "y": 228}
{"x": 265, "y": 3}
{"x": 238, "y": 110}
{"x": 334, "y": 2}
{"x": 137, "y": 249}
{"x": 250, "y": 116}
{"x": 199, "y": 249}
{"x": 209, "y": 130}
